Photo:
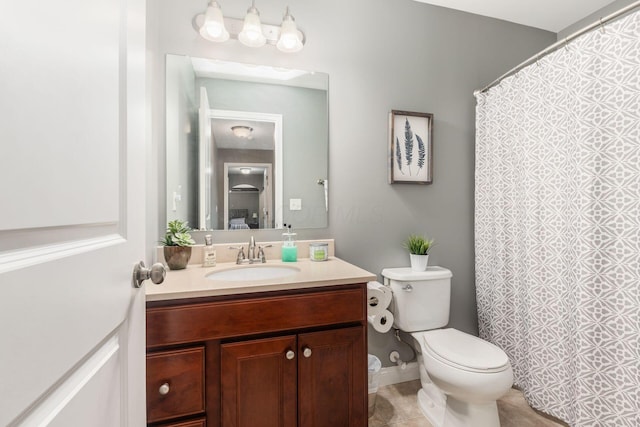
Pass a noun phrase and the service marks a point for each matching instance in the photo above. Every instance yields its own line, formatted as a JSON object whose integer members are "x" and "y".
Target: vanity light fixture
{"x": 213, "y": 26}
{"x": 251, "y": 34}
{"x": 245, "y": 171}
{"x": 290, "y": 38}
{"x": 242, "y": 131}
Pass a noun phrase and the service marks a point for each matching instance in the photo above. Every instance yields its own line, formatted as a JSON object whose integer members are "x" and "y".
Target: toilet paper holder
{"x": 394, "y": 357}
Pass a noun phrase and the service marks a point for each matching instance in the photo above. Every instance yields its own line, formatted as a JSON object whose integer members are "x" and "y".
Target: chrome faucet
{"x": 251, "y": 250}
{"x": 251, "y": 253}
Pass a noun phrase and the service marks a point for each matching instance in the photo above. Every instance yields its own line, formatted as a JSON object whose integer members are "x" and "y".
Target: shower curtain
{"x": 557, "y": 222}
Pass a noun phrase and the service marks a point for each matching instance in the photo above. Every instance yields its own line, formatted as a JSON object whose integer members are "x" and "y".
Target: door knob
{"x": 290, "y": 355}
{"x": 306, "y": 352}
{"x": 156, "y": 273}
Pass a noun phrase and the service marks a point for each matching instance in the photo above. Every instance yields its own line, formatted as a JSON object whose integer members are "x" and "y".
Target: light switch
{"x": 295, "y": 204}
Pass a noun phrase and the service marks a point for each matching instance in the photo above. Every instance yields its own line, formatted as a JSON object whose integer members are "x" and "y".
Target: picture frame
{"x": 411, "y": 147}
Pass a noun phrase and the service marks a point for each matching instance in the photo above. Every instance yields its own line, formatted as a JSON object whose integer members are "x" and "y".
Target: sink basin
{"x": 253, "y": 272}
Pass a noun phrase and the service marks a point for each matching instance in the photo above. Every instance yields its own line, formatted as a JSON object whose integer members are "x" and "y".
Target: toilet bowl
{"x": 469, "y": 375}
{"x": 461, "y": 375}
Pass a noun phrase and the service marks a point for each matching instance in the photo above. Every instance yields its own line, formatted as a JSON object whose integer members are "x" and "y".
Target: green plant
{"x": 178, "y": 234}
{"x": 418, "y": 245}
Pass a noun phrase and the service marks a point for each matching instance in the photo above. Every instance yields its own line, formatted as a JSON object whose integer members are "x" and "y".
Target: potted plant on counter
{"x": 418, "y": 247}
{"x": 177, "y": 245}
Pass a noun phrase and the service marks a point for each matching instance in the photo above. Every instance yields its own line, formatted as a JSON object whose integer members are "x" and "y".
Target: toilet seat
{"x": 464, "y": 351}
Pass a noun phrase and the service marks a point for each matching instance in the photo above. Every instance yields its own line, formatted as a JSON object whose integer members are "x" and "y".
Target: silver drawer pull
{"x": 164, "y": 389}
{"x": 306, "y": 352}
{"x": 290, "y": 355}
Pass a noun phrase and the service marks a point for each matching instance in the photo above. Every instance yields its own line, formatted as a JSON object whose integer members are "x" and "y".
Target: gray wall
{"x": 380, "y": 55}
{"x": 602, "y": 13}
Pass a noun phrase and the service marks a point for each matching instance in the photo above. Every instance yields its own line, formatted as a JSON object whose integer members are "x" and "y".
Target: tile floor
{"x": 397, "y": 406}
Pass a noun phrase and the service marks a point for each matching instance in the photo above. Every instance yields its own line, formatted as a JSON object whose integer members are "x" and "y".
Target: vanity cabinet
{"x": 307, "y": 380}
{"x": 273, "y": 359}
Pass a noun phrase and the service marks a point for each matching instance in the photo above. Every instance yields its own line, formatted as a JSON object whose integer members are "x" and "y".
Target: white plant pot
{"x": 419, "y": 262}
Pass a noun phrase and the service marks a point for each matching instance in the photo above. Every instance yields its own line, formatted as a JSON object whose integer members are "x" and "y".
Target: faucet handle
{"x": 261, "y": 255}
{"x": 240, "y": 256}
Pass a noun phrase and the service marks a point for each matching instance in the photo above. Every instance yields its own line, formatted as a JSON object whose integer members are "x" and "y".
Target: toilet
{"x": 461, "y": 375}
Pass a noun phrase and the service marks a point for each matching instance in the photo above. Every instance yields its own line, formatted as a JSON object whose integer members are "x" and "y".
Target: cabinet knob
{"x": 290, "y": 355}
{"x": 164, "y": 389}
{"x": 307, "y": 352}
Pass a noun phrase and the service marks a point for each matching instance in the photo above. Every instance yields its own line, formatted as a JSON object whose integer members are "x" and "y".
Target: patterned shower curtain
{"x": 557, "y": 222}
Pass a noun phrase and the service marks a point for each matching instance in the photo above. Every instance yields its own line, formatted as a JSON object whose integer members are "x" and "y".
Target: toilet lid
{"x": 464, "y": 350}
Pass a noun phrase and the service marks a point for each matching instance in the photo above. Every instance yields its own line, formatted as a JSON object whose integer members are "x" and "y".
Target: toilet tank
{"x": 421, "y": 299}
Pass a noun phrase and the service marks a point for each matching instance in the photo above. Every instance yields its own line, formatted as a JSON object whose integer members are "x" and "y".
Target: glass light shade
{"x": 213, "y": 28}
{"x": 242, "y": 131}
{"x": 290, "y": 39}
{"x": 251, "y": 34}
{"x": 245, "y": 171}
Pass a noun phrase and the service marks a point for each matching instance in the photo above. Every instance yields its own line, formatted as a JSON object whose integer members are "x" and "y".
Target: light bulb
{"x": 214, "y": 29}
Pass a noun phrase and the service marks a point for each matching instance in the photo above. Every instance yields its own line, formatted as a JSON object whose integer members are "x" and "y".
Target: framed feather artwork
{"x": 411, "y": 153}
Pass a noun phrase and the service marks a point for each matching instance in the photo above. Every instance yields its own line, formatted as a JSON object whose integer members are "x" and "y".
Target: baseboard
{"x": 394, "y": 374}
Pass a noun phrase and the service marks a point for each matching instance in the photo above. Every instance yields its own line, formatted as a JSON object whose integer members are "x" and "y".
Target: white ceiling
{"x": 550, "y": 15}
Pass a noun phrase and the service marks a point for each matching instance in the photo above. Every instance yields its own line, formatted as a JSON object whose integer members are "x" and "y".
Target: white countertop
{"x": 192, "y": 283}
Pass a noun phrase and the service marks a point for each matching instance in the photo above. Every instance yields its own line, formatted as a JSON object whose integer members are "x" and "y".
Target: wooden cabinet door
{"x": 259, "y": 385}
{"x": 332, "y": 378}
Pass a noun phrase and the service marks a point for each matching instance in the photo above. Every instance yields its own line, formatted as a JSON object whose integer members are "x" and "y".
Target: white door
{"x": 72, "y": 180}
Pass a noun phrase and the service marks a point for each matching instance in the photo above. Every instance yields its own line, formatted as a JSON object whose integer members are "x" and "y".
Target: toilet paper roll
{"x": 381, "y": 322}
{"x": 378, "y": 298}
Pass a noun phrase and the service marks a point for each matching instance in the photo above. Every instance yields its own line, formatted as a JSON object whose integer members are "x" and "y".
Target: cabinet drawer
{"x": 175, "y": 383}
{"x": 236, "y": 318}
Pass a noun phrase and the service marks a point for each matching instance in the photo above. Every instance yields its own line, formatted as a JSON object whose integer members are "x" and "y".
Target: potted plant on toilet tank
{"x": 177, "y": 244}
{"x": 418, "y": 247}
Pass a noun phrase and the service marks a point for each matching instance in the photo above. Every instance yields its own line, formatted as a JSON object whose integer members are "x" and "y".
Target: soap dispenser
{"x": 208, "y": 252}
{"x": 289, "y": 248}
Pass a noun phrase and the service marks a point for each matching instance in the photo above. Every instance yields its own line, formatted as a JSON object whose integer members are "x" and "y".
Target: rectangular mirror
{"x": 246, "y": 145}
